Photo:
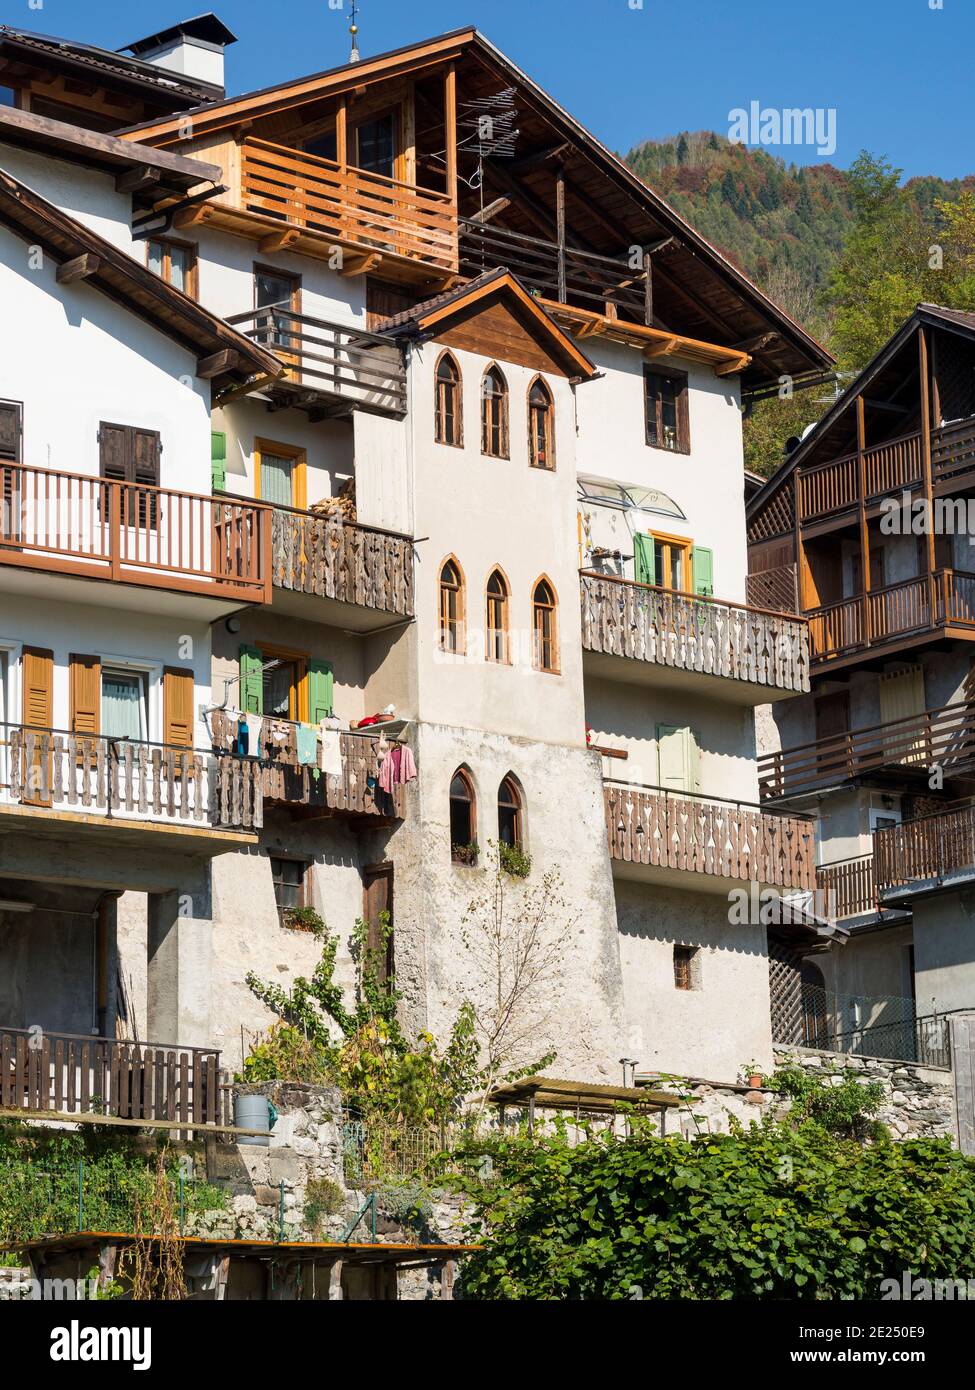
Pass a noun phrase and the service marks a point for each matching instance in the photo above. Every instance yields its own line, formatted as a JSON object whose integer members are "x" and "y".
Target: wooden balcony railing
{"x": 774, "y": 589}
{"x": 692, "y": 633}
{"x": 349, "y": 205}
{"x": 74, "y": 1075}
{"x": 564, "y": 275}
{"x": 927, "y": 848}
{"x": 945, "y": 598}
{"x": 846, "y": 888}
{"x": 835, "y": 486}
{"x": 953, "y": 449}
{"x": 128, "y": 779}
{"x": 76, "y": 524}
{"x": 725, "y": 839}
{"x": 355, "y": 793}
{"x": 331, "y": 558}
{"x": 332, "y": 361}
{"x": 944, "y": 736}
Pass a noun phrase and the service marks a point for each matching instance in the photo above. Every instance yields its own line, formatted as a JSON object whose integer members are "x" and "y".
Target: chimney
{"x": 193, "y": 49}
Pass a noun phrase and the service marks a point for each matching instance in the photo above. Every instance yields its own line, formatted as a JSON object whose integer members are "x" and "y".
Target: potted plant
{"x": 752, "y": 1076}
{"x": 465, "y": 854}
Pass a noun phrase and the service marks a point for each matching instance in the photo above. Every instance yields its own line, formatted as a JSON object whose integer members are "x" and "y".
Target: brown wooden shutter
{"x": 683, "y": 417}
{"x": 114, "y": 452}
{"x": 38, "y": 703}
{"x": 178, "y": 691}
{"x": 86, "y": 695}
{"x": 10, "y": 431}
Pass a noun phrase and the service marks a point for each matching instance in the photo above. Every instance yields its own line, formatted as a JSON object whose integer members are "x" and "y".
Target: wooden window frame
{"x": 539, "y": 380}
{"x": 681, "y": 408}
{"x": 687, "y": 968}
{"x": 299, "y": 475}
{"x": 298, "y": 699}
{"x": 517, "y": 803}
{"x": 465, "y": 776}
{"x": 396, "y": 112}
{"x": 686, "y": 546}
{"x": 503, "y": 427}
{"x": 167, "y": 243}
{"x": 303, "y": 887}
{"x": 460, "y": 622}
{"x": 555, "y": 668}
{"x": 439, "y": 404}
{"x": 504, "y": 630}
{"x": 290, "y": 353}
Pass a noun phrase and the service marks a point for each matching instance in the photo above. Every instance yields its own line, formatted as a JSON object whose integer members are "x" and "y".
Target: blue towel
{"x": 307, "y": 744}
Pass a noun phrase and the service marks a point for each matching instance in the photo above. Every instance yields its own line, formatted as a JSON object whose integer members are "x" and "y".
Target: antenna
{"x": 354, "y": 31}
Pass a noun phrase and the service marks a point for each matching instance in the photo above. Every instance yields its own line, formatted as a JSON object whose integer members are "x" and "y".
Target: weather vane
{"x": 354, "y": 31}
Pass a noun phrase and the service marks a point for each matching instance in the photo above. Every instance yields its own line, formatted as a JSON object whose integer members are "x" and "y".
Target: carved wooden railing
{"x": 72, "y": 1075}
{"x": 927, "y": 848}
{"x": 693, "y": 633}
{"x": 912, "y": 605}
{"x": 944, "y": 736}
{"x": 342, "y": 362}
{"x": 331, "y": 558}
{"x": 356, "y": 792}
{"x": 72, "y": 523}
{"x": 725, "y": 839}
{"x": 351, "y": 205}
{"x": 846, "y": 888}
{"x": 121, "y": 779}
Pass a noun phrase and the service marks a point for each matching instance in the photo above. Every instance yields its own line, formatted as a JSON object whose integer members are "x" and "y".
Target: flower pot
{"x": 755, "y": 1079}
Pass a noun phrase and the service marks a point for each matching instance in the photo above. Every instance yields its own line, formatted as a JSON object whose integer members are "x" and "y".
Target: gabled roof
{"x": 224, "y": 355}
{"x": 931, "y": 315}
{"x": 716, "y": 300}
{"x": 434, "y": 315}
{"x": 173, "y": 89}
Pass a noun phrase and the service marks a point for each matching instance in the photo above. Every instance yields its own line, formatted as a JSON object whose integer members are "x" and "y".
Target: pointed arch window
{"x": 449, "y": 415}
{"x": 494, "y": 414}
{"x": 545, "y": 627}
{"x": 541, "y": 425}
{"x": 463, "y": 818}
{"x": 496, "y": 624}
{"x": 510, "y": 818}
{"x": 451, "y": 607}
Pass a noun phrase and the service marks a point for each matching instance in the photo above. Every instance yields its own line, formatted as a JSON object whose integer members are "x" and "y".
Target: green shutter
{"x": 218, "y": 460}
{"x": 321, "y": 686}
{"x": 251, "y": 681}
{"x": 702, "y": 562}
{"x": 644, "y": 559}
{"x": 678, "y": 758}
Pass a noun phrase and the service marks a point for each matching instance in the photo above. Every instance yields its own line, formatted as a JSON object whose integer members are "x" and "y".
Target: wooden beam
{"x": 536, "y": 157}
{"x": 492, "y": 210}
{"x": 278, "y": 241}
{"x": 195, "y": 216}
{"x": 218, "y": 364}
{"x": 450, "y": 131}
{"x": 78, "y": 269}
{"x": 661, "y": 349}
{"x": 342, "y": 134}
{"x": 137, "y": 179}
{"x": 409, "y": 137}
{"x": 360, "y": 265}
{"x": 560, "y": 229}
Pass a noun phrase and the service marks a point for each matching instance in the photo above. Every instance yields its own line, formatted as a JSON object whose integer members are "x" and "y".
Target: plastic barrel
{"x": 252, "y": 1112}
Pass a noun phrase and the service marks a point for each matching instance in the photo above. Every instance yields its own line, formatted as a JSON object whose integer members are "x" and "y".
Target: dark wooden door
{"x": 377, "y": 883}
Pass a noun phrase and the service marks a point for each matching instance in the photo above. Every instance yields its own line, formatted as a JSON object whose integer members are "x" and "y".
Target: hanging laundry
{"x": 331, "y": 751}
{"x": 242, "y": 747}
{"x": 398, "y": 767}
{"x": 306, "y": 739}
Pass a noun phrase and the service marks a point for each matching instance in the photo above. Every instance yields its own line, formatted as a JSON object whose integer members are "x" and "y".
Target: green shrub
{"x": 513, "y": 860}
{"x": 835, "y": 1100}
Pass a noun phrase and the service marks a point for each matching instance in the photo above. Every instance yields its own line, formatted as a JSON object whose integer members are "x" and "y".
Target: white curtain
{"x": 121, "y": 706}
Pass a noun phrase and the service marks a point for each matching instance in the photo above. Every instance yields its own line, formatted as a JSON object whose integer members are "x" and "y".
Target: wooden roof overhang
{"x": 655, "y": 342}
{"x": 224, "y": 356}
{"x": 698, "y": 294}
{"x": 398, "y": 1253}
{"x": 585, "y": 1097}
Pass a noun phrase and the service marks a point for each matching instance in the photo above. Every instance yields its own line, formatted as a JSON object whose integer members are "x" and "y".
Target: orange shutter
{"x": 178, "y": 690}
{"x": 86, "y": 695}
{"x": 38, "y": 705}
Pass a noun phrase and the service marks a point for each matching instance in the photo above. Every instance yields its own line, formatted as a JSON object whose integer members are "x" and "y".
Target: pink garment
{"x": 398, "y": 766}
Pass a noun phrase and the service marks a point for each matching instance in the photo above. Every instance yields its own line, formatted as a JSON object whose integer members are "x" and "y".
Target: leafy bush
{"x": 513, "y": 860}
{"x": 774, "y": 1212}
{"x": 323, "y": 1198}
{"x": 843, "y": 1106}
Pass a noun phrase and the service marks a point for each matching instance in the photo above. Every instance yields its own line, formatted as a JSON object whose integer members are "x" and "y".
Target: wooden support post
{"x": 924, "y": 374}
{"x": 864, "y": 529}
{"x": 221, "y": 1278}
{"x": 341, "y": 135}
{"x": 560, "y": 229}
{"x": 450, "y": 132}
{"x": 409, "y": 137}
{"x": 648, "y": 289}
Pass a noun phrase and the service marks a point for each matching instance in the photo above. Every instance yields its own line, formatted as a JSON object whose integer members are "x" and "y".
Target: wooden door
{"x": 38, "y": 716}
{"x": 377, "y": 884}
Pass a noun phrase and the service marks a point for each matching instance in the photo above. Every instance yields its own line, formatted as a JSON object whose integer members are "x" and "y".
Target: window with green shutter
{"x": 251, "y": 680}
{"x": 321, "y": 689}
{"x": 702, "y": 568}
{"x": 645, "y": 570}
{"x": 218, "y": 460}
{"x": 679, "y": 758}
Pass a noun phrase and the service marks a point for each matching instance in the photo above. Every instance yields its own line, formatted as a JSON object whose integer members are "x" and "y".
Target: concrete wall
{"x": 944, "y": 951}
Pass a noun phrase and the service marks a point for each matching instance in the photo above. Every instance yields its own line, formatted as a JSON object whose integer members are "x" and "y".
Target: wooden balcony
{"x": 927, "y": 850}
{"x": 847, "y": 888}
{"x": 75, "y": 1075}
{"x": 133, "y": 786}
{"x": 76, "y": 525}
{"x": 332, "y": 368}
{"x": 774, "y": 589}
{"x": 355, "y": 794}
{"x": 665, "y": 830}
{"x": 944, "y": 600}
{"x": 944, "y": 736}
{"x": 391, "y": 228}
{"x": 357, "y": 566}
{"x": 671, "y": 637}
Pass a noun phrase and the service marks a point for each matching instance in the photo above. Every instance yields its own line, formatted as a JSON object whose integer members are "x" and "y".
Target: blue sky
{"x": 897, "y": 72}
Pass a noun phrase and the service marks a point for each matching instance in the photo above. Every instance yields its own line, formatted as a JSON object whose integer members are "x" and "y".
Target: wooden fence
{"x": 331, "y": 558}
{"x": 72, "y": 1074}
{"x": 946, "y": 597}
{"x": 927, "y": 848}
{"x": 675, "y": 830}
{"x": 694, "y": 633}
{"x": 356, "y": 792}
{"x": 847, "y": 887}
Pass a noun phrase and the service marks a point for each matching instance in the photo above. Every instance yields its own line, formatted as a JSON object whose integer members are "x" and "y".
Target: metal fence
{"x": 885, "y": 1025}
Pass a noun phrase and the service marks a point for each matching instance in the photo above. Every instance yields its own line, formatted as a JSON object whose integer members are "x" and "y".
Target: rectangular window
{"x": 124, "y": 704}
{"x": 687, "y": 967}
{"x": 174, "y": 262}
{"x": 8, "y": 97}
{"x": 11, "y": 434}
{"x": 281, "y": 474}
{"x": 276, "y": 289}
{"x": 130, "y": 455}
{"x": 285, "y": 684}
{"x": 665, "y": 399}
{"x": 375, "y": 143}
{"x": 323, "y": 146}
{"x": 664, "y": 561}
{"x": 288, "y": 877}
